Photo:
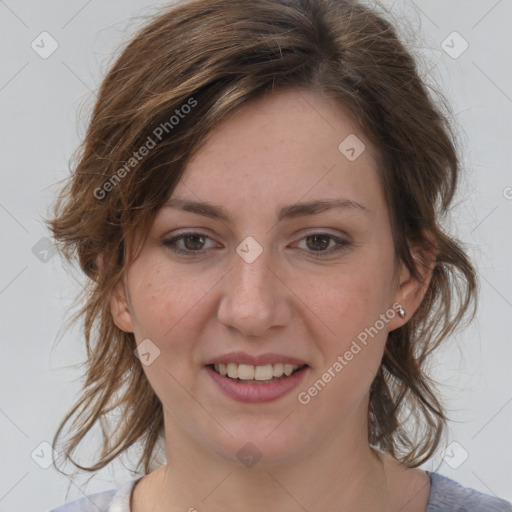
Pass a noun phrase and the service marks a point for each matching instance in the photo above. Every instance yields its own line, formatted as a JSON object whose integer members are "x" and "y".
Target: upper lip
{"x": 262, "y": 359}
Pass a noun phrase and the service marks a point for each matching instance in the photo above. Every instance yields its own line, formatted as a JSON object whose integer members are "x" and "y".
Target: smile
{"x": 250, "y": 373}
{"x": 254, "y": 384}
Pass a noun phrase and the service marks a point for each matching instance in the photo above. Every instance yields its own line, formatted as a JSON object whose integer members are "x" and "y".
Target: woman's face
{"x": 312, "y": 286}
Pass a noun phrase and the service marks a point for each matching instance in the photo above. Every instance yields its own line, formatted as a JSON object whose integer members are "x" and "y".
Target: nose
{"x": 254, "y": 297}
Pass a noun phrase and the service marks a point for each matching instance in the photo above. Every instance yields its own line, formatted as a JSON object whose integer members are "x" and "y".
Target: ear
{"x": 411, "y": 291}
{"x": 120, "y": 308}
{"x": 119, "y": 302}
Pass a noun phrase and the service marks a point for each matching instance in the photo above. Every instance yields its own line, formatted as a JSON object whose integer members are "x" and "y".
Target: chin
{"x": 261, "y": 444}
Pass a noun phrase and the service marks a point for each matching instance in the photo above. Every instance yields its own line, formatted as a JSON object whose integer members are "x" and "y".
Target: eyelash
{"x": 171, "y": 243}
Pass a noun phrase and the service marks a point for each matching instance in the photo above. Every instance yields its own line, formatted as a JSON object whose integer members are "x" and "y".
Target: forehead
{"x": 280, "y": 149}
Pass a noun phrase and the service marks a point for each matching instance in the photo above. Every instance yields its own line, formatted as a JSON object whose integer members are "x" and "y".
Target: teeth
{"x": 278, "y": 369}
{"x": 265, "y": 372}
{"x": 288, "y": 369}
{"x": 245, "y": 372}
{"x": 232, "y": 370}
{"x": 250, "y": 372}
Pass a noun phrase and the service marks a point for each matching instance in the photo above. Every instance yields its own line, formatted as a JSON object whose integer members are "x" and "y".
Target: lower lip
{"x": 256, "y": 393}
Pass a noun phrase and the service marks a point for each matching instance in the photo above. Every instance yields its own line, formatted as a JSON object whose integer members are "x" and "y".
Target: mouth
{"x": 254, "y": 375}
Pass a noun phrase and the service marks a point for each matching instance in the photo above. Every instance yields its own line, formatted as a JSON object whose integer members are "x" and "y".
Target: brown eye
{"x": 187, "y": 243}
{"x": 320, "y": 244}
{"x": 196, "y": 242}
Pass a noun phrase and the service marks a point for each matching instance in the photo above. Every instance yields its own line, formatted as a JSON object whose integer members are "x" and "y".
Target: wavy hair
{"x": 215, "y": 56}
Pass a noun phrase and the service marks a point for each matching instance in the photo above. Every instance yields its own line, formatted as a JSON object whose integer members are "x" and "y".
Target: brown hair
{"x": 215, "y": 56}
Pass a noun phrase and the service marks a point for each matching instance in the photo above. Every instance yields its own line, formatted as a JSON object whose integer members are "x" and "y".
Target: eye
{"x": 192, "y": 241}
{"x": 317, "y": 243}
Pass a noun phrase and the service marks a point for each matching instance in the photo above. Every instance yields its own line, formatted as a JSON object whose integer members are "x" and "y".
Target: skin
{"x": 276, "y": 151}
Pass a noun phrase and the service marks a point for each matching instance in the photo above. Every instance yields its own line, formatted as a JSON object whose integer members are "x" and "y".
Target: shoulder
{"x": 447, "y": 495}
{"x": 113, "y": 500}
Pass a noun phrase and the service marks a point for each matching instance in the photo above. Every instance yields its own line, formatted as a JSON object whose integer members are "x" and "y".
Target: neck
{"x": 341, "y": 473}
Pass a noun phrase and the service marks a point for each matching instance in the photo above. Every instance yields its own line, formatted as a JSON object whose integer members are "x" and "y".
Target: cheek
{"x": 352, "y": 297}
{"x": 169, "y": 302}
{"x": 166, "y": 303}
{"x": 350, "y": 306}
{"x": 158, "y": 297}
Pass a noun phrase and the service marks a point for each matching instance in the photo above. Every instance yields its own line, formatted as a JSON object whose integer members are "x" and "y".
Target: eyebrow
{"x": 286, "y": 212}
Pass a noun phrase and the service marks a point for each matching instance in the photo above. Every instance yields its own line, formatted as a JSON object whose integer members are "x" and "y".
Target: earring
{"x": 401, "y": 312}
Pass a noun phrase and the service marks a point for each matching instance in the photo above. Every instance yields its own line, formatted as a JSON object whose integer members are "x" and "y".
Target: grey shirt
{"x": 446, "y": 495}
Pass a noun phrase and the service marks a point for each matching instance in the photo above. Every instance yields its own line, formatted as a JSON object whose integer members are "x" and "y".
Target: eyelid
{"x": 341, "y": 242}
{"x": 169, "y": 241}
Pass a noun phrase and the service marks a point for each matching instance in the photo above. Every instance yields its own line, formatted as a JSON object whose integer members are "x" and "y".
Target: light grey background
{"x": 40, "y": 100}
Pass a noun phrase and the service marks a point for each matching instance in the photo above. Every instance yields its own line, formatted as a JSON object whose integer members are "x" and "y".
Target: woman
{"x": 256, "y": 207}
